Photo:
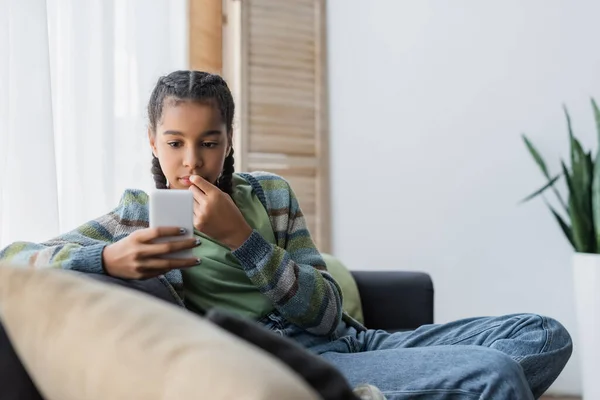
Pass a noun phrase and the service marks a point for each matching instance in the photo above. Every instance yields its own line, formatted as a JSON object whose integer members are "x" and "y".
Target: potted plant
{"x": 579, "y": 219}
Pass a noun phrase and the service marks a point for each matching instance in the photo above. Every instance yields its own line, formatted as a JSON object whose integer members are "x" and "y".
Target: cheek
{"x": 168, "y": 160}
{"x": 216, "y": 165}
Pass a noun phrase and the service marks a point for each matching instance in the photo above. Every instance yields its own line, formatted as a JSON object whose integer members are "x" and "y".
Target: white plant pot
{"x": 586, "y": 276}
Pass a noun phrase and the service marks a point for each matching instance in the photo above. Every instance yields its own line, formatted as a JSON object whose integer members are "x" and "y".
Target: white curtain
{"x": 75, "y": 77}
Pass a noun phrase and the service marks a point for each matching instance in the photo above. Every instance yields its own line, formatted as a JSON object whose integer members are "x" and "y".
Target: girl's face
{"x": 190, "y": 139}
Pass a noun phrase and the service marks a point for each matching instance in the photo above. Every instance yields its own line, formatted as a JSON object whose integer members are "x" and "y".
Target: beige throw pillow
{"x": 84, "y": 340}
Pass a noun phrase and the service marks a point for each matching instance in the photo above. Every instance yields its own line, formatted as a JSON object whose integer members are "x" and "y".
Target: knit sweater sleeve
{"x": 292, "y": 273}
{"x": 81, "y": 249}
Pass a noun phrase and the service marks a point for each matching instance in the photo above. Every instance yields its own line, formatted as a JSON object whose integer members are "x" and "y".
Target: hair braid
{"x": 160, "y": 180}
{"x": 225, "y": 182}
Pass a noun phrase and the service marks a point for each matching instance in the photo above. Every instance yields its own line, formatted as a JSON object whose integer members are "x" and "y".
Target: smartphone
{"x": 173, "y": 207}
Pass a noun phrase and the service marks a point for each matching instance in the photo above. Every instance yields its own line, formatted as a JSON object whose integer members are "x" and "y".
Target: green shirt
{"x": 219, "y": 281}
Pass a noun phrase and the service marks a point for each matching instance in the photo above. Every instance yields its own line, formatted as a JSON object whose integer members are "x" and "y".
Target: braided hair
{"x": 195, "y": 86}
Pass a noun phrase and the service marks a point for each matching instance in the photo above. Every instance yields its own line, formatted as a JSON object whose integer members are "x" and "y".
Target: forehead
{"x": 183, "y": 115}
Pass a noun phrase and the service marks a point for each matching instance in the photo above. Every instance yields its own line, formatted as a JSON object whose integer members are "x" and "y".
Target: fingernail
{"x": 199, "y": 261}
{"x": 198, "y": 242}
{"x": 182, "y": 230}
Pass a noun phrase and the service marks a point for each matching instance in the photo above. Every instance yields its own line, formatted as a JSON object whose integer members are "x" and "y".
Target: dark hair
{"x": 193, "y": 86}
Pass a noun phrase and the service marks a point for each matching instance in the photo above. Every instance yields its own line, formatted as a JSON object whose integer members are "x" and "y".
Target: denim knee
{"x": 543, "y": 369}
{"x": 502, "y": 375}
{"x": 554, "y": 337}
{"x": 560, "y": 340}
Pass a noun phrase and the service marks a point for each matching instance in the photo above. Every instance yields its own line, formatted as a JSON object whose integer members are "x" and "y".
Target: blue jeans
{"x": 513, "y": 357}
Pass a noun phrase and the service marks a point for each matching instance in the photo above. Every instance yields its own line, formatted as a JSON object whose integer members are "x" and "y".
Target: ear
{"x": 152, "y": 140}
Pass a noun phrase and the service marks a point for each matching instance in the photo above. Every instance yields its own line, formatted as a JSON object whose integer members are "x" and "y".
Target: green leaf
{"x": 540, "y": 162}
{"x": 567, "y": 176}
{"x": 574, "y": 214}
{"x": 563, "y": 225}
{"x": 536, "y": 156}
{"x": 596, "y": 117}
{"x": 596, "y": 200}
{"x": 577, "y": 153}
{"x": 581, "y": 193}
{"x": 541, "y": 190}
{"x": 587, "y": 166}
{"x": 580, "y": 232}
{"x": 596, "y": 180}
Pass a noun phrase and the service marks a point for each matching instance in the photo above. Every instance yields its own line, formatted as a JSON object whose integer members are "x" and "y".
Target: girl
{"x": 255, "y": 257}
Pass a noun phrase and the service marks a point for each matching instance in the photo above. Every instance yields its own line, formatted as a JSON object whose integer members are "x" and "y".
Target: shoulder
{"x": 134, "y": 197}
{"x": 133, "y": 206}
{"x": 266, "y": 180}
{"x": 274, "y": 191}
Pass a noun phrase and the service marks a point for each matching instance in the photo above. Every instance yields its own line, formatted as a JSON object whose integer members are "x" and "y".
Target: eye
{"x": 210, "y": 145}
{"x": 174, "y": 145}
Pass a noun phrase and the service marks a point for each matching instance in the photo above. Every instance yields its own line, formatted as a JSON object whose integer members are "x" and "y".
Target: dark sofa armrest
{"x": 395, "y": 300}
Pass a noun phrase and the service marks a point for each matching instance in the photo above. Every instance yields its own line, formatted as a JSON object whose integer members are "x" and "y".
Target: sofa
{"x": 395, "y": 300}
{"x": 390, "y": 300}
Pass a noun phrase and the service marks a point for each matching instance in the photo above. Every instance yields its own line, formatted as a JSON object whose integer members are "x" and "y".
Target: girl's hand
{"x": 216, "y": 215}
{"x": 136, "y": 257}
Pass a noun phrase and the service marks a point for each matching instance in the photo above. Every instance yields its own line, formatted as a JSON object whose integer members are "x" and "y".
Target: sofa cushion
{"x": 343, "y": 277}
{"x": 81, "y": 339}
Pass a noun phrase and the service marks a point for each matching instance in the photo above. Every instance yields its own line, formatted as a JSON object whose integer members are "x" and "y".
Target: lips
{"x": 186, "y": 181}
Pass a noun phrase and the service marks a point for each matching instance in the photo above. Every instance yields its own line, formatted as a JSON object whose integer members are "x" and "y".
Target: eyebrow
{"x": 204, "y": 134}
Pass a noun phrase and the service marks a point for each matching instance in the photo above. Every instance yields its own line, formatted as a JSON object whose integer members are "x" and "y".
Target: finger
{"x": 198, "y": 210}
{"x": 157, "y": 249}
{"x": 203, "y": 184}
{"x": 149, "y": 234}
{"x": 199, "y": 195}
{"x": 198, "y": 217}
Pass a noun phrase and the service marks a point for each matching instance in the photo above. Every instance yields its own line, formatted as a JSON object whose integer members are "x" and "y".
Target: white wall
{"x": 428, "y": 101}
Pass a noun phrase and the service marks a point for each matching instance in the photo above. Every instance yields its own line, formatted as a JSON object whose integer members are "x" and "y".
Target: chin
{"x": 180, "y": 184}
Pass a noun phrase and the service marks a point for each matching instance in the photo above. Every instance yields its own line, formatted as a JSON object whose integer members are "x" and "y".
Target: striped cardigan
{"x": 292, "y": 274}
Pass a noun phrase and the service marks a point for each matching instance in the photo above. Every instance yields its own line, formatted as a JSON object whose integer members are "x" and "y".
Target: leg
{"x": 435, "y": 373}
{"x": 541, "y": 345}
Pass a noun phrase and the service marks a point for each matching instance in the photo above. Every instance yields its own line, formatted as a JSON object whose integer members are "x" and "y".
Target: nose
{"x": 192, "y": 159}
